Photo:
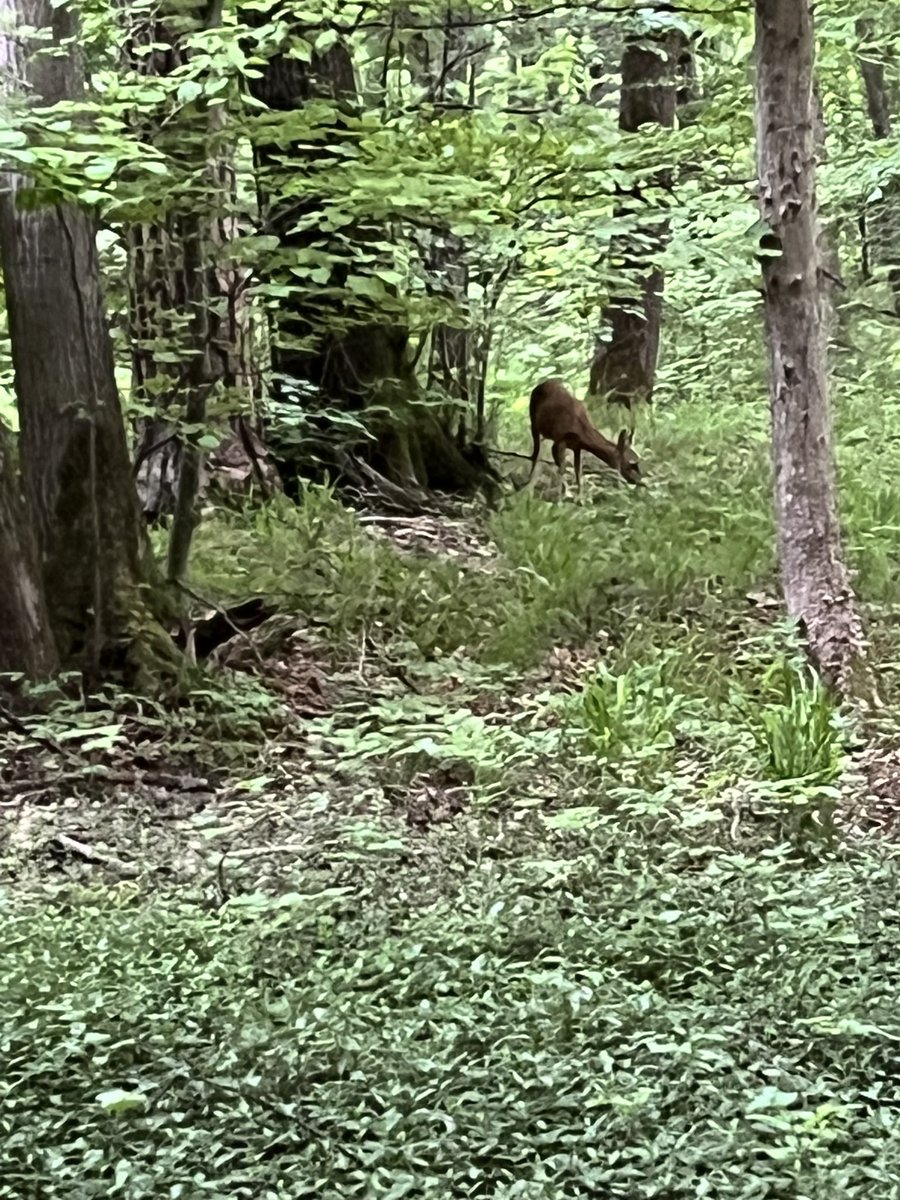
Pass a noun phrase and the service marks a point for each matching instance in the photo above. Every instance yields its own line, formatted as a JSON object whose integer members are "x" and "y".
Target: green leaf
{"x": 118, "y": 1101}
{"x": 101, "y": 168}
{"x": 325, "y": 40}
{"x": 366, "y": 285}
{"x": 189, "y": 90}
{"x": 572, "y": 818}
{"x": 10, "y": 137}
{"x": 771, "y": 1097}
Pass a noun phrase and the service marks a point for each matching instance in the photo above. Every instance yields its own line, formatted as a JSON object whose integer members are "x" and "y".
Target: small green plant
{"x": 417, "y": 734}
{"x": 632, "y": 712}
{"x": 799, "y": 728}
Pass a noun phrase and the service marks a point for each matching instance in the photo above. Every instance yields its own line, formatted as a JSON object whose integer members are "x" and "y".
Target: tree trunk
{"x": 26, "y": 644}
{"x": 871, "y": 69}
{"x": 187, "y": 322}
{"x": 446, "y": 258}
{"x": 816, "y": 582}
{"x": 96, "y": 565}
{"x": 335, "y": 351}
{"x": 623, "y": 369}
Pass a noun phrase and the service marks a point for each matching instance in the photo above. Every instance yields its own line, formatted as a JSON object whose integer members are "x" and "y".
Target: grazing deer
{"x": 557, "y": 416}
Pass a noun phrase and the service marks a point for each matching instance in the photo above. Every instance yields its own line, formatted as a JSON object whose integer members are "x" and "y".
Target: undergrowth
{"x": 566, "y": 911}
{"x": 607, "y": 1021}
{"x": 694, "y": 538}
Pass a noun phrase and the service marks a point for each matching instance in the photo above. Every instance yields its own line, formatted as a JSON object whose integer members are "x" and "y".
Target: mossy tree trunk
{"x": 335, "y": 351}
{"x": 26, "y": 642}
{"x": 95, "y": 565}
{"x": 815, "y": 578}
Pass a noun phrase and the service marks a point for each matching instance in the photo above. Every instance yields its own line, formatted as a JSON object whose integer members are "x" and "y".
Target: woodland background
{"x": 371, "y": 827}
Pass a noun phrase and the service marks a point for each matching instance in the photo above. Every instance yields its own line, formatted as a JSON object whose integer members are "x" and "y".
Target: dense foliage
{"x": 536, "y": 934}
{"x": 518, "y": 852}
{"x": 676, "y": 1026}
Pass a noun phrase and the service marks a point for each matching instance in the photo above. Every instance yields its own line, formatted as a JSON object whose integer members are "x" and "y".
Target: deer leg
{"x": 559, "y": 457}
{"x": 577, "y": 458}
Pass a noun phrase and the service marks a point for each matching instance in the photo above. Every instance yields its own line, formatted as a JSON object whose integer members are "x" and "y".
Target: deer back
{"x": 556, "y": 414}
{"x": 559, "y": 417}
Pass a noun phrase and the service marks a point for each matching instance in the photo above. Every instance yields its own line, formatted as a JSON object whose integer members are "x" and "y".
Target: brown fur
{"x": 561, "y": 419}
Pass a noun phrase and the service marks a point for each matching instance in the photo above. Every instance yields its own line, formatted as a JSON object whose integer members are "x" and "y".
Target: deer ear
{"x": 624, "y": 440}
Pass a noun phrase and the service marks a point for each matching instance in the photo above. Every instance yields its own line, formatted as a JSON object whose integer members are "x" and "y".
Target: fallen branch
{"x": 89, "y": 854}
{"x": 19, "y": 726}
{"x": 226, "y": 617}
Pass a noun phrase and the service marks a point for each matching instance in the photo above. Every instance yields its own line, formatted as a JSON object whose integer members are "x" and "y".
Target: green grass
{"x": 700, "y": 532}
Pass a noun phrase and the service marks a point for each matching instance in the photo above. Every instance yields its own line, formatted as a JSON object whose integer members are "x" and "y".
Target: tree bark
{"x": 96, "y": 567}
{"x": 188, "y": 326}
{"x": 338, "y": 351}
{"x": 815, "y": 579}
{"x": 26, "y": 643}
{"x": 623, "y": 369}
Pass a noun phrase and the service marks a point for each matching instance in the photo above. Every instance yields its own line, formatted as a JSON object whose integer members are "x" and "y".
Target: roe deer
{"x": 557, "y": 416}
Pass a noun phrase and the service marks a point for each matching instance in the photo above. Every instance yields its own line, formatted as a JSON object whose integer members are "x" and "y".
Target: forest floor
{"x": 417, "y": 672}
{"x": 517, "y": 854}
{"x": 301, "y": 753}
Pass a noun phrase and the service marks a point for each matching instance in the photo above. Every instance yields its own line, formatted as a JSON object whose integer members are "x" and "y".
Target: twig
{"x": 98, "y": 856}
{"x": 399, "y": 673}
{"x": 242, "y": 633}
{"x": 262, "y": 851}
{"x": 79, "y": 775}
{"x": 361, "y": 664}
{"x": 254, "y": 852}
{"x": 522, "y": 13}
{"x": 734, "y": 828}
{"x": 17, "y": 724}
{"x": 250, "y": 451}
{"x": 148, "y": 451}
{"x": 386, "y": 519}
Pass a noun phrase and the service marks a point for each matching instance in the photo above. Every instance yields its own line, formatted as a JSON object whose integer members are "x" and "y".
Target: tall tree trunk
{"x": 312, "y": 354}
{"x": 95, "y": 562}
{"x": 450, "y": 350}
{"x": 446, "y": 258}
{"x": 623, "y": 369}
{"x": 26, "y": 642}
{"x": 871, "y": 68}
{"x": 458, "y": 351}
{"x": 187, "y": 322}
{"x": 815, "y": 579}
